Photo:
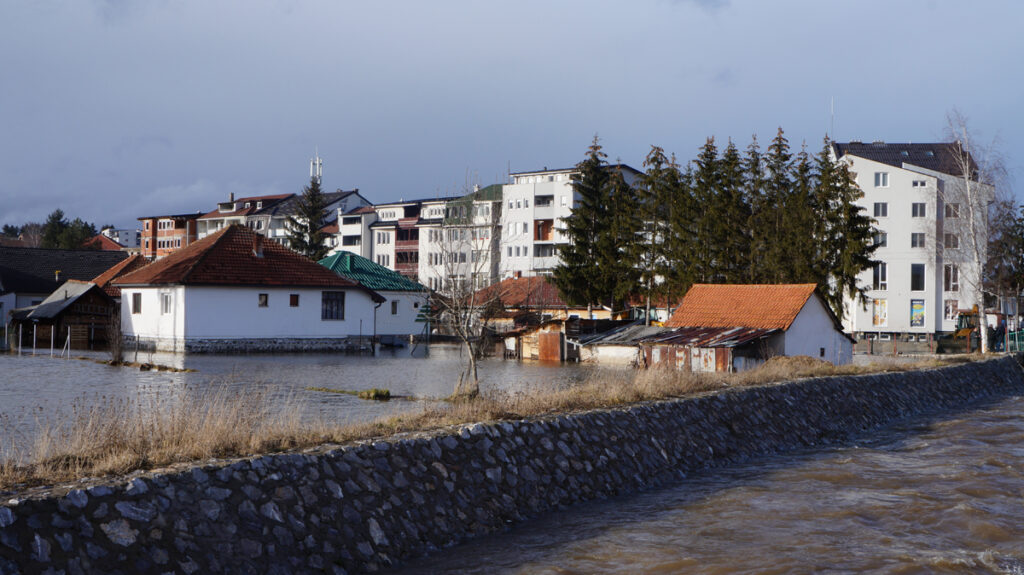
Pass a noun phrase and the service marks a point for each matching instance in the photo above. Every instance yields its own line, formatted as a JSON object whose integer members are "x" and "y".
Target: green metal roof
{"x": 368, "y": 273}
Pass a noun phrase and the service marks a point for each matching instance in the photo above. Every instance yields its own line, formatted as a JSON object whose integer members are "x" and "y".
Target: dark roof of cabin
{"x": 32, "y": 270}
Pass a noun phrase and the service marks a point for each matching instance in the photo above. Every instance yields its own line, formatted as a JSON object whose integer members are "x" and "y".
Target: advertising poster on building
{"x": 917, "y": 313}
{"x": 880, "y": 313}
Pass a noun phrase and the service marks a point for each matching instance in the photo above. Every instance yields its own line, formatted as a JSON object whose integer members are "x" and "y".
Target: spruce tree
{"x": 854, "y": 238}
{"x": 799, "y": 215}
{"x": 754, "y": 191}
{"x": 617, "y": 244}
{"x": 578, "y": 275}
{"x": 55, "y": 225}
{"x": 76, "y": 233}
{"x": 734, "y": 216}
{"x": 706, "y": 194}
{"x": 304, "y": 233}
{"x": 771, "y": 223}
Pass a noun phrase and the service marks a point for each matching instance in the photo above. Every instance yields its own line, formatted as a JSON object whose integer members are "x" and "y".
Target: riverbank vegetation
{"x": 111, "y": 437}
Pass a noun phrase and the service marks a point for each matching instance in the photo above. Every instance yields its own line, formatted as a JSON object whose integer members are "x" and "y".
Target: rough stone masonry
{"x": 357, "y": 508}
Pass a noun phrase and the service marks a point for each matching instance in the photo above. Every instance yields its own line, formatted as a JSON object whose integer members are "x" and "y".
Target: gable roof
{"x": 290, "y": 205}
{"x": 368, "y": 273}
{"x": 61, "y": 299}
{"x": 938, "y": 157}
{"x": 762, "y": 306}
{"x": 534, "y": 291}
{"x": 229, "y": 258}
{"x": 33, "y": 270}
{"x": 136, "y": 261}
{"x": 101, "y": 242}
{"x": 241, "y": 210}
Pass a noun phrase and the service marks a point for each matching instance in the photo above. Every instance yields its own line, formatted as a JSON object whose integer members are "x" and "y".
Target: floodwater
{"x": 939, "y": 496}
{"x": 38, "y": 389}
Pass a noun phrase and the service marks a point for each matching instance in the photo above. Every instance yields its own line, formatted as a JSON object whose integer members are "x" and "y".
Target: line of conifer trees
{"x": 727, "y": 217}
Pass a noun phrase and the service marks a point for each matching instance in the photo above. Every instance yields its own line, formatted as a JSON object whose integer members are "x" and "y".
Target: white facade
{"x": 532, "y": 219}
{"x": 354, "y": 234}
{"x": 171, "y": 316}
{"x": 814, "y": 333}
{"x": 127, "y": 238}
{"x": 397, "y": 316}
{"x": 924, "y": 274}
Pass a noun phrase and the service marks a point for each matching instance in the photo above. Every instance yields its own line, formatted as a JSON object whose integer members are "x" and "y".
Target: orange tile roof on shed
{"x": 124, "y": 267}
{"x": 229, "y": 258}
{"x": 761, "y": 306}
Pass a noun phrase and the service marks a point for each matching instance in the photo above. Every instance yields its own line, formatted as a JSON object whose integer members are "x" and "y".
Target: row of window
{"x": 880, "y": 311}
{"x": 882, "y": 181}
{"x": 165, "y": 244}
{"x": 541, "y": 202}
{"x": 917, "y": 240}
{"x": 540, "y": 179}
{"x": 332, "y": 303}
{"x": 950, "y": 277}
{"x": 917, "y": 210}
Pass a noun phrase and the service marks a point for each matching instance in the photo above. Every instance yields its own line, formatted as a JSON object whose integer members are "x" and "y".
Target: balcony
{"x": 544, "y": 230}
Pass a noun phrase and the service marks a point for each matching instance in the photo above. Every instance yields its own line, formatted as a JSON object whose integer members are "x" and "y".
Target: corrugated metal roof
{"x": 368, "y": 273}
{"x": 710, "y": 336}
{"x": 624, "y": 335}
{"x": 60, "y": 299}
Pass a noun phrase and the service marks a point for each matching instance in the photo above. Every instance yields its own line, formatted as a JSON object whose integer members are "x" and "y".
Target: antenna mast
{"x": 316, "y": 166}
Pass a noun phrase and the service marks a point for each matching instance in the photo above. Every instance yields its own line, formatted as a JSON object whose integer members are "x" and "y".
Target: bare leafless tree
{"x": 461, "y": 265}
{"x": 968, "y": 197}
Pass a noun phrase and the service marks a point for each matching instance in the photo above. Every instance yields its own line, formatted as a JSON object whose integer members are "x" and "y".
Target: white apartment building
{"x": 924, "y": 272}
{"x": 125, "y": 237}
{"x": 354, "y": 234}
{"x": 533, "y": 208}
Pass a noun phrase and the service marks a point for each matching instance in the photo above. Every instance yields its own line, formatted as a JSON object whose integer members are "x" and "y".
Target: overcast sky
{"x": 116, "y": 109}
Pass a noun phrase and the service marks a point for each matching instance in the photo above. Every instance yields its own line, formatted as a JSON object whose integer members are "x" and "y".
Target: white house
{"x": 790, "y": 319}
{"x": 398, "y": 317}
{"x": 534, "y": 205}
{"x": 925, "y": 272}
{"x": 236, "y": 291}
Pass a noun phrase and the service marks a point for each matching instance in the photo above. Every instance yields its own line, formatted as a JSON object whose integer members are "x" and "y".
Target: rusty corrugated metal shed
{"x": 707, "y": 337}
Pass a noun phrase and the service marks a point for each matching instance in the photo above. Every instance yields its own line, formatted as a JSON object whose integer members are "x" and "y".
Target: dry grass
{"x": 111, "y": 437}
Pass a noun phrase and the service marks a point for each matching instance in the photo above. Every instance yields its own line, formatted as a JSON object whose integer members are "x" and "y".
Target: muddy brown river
{"x": 929, "y": 496}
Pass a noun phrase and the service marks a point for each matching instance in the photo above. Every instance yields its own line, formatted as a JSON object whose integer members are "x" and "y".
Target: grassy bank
{"x": 120, "y": 436}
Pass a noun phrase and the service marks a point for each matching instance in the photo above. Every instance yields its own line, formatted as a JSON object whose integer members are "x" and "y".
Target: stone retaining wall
{"x": 248, "y": 345}
{"x": 356, "y": 508}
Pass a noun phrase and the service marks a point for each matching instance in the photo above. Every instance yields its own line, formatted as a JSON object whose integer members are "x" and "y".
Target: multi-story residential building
{"x": 272, "y": 220}
{"x": 395, "y": 235}
{"x": 127, "y": 238}
{"x": 924, "y": 271}
{"x": 238, "y": 212}
{"x": 162, "y": 235}
{"x": 470, "y": 244}
{"x": 534, "y": 205}
{"x": 353, "y": 234}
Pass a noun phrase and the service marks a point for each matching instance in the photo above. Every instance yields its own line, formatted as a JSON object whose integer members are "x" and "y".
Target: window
{"x": 510, "y": 251}
{"x": 293, "y": 300}
{"x": 951, "y": 241}
{"x": 916, "y": 277}
{"x": 917, "y": 240}
{"x": 526, "y": 203}
{"x": 919, "y": 183}
{"x": 394, "y": 307}
{"x": 949, "y": 309}
{"x": 350, "y": 240}
{"x": 517, "y": 251}
{"x": 165, "y": 303}
{"x": 952, "y": 210}
{"x": 917, "y": 210}
{"x": 879, "y": 312}
{"x": 880, "y": 276}
{"x": 519, "y": 203}
{"x": 564, "y": 200}
{"x": 526, "y": 227}
{"x": 263, "y": 300}
{"x": 950, "y": 277}
{"x": 881, "y": 179}
{"x": 881, "y": 209}
{"x": 332, "y": 305}
{"x": 881, "y": 239}
{"x": 136, "y": 303}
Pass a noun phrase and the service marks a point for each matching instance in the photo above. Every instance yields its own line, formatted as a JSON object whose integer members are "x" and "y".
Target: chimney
{"x": 257, "y": 245}
{"x": 231, "y": 197}
{"x": 56, "y": 275}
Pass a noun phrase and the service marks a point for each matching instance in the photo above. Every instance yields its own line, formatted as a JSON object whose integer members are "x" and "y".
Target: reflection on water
{"x": 921, "y": 498}
{"x": 35, "y": 386}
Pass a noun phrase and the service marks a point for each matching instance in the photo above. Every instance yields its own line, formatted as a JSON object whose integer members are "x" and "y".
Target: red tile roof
{"x": 331, "y": 228}
{"x": 752, "y": 306}
{"x": 123, "y": 267}
{"x": 533, "y": 292}
{"x": 101, "y": 242}
{"x": 229, "y": 258}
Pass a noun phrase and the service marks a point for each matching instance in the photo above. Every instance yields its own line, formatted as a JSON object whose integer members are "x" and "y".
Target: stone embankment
{"x": 357, "y": 508}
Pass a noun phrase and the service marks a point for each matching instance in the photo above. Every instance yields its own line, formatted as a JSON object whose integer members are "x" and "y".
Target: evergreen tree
{"x": 799, "y": 215}
{"x": 734, "y": 216}
{"x": 76, "y": 233}
{"x": 754, "y": 191}
{"x": 707, "y": 260}
{"x": 304, "y": 234}
{"x": 11, "y": 231}
{"x": 55, "y": 225}
{"x": 770, "y": 221}
{"x": 848, "y": 233}
{"x": 618, "y": 243}
{"x": 578, "y": 274}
